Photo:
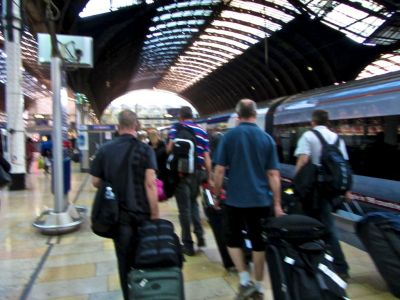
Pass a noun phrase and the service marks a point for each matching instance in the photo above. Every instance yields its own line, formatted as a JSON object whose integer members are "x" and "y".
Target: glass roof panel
{"x": 385, "y": 64}
{"x": 196, "y": 63}
{"x": 224, "y": 40}
{"x": 96, "y": 7}
{"x": 201, "y": 54}
{"x": 31, "y": 86}
{"x": 249, "y": 18}
{"x": 357, "y": 19}
{"x": 236, "y": 35}
{"x": 276, "y": 13}
{"x": 198, "y": 59}
{"x": 240, "y": 27}
{"x": 212, "y": 51}
{"x": 168, "y": 37}
{"x": 191, "y": 68}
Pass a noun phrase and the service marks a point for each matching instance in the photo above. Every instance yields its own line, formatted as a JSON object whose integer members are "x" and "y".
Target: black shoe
{"x": 201, "y": 243}
{"x": 188, "y": 251}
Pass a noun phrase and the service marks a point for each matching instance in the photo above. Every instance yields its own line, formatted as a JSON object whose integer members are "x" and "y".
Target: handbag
{"x": 160, "y": 190}
{"x": 5, "y": 178}
{"x": 105, "y": 210}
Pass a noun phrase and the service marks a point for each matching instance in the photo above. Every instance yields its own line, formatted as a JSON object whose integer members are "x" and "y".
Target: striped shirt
{"x": 202, "y": 143}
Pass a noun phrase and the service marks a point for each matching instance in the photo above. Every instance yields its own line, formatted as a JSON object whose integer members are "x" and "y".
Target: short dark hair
{"x": 127, "y": 119}
{"x": 320, "y": 117}
{"x": 185, "y": 113}
{"x": 246, "y": 108}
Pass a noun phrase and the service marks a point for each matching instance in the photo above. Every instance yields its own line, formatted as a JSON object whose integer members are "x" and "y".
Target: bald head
{"x": 246, "y": 109}
{"x": 127, "y": 120}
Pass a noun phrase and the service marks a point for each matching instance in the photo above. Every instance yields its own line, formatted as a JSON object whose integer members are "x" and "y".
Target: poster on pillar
{"x": 64, "y": 111}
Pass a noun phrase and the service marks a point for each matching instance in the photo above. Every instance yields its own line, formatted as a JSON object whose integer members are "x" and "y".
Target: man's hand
{"x": 154, "y": 216}
{"x": 348, "y": 196}
{"x": 278, "y": 211}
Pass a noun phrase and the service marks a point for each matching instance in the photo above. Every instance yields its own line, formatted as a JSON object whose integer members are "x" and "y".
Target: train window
{"x": 373, "y": 144}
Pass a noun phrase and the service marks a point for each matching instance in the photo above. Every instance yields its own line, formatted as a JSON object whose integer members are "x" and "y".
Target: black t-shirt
{"x": 111, "y": 165}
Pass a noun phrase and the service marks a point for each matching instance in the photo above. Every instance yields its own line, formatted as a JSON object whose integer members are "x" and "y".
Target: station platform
{"x": 82, "y": 266}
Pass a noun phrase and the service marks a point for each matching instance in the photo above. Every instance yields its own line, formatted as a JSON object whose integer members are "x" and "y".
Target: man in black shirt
{"x": 137, "y": 191}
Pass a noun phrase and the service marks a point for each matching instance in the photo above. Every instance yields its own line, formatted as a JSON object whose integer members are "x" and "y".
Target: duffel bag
{"x": 158, "y": 246}
{"x": 295, "y": 228}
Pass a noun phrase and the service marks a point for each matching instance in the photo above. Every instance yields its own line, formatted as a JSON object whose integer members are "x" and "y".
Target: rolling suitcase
{"x": 215, "y": 220}
{"x": 157, "y": 283}
{"x": 380, "y": 234}
{"x": 299, "y": 266}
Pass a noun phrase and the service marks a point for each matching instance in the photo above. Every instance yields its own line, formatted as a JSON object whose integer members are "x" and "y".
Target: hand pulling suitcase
{"x": 152, "y": 284}
{"x": 299, "y": 266}
{"x": 380, "y": 234}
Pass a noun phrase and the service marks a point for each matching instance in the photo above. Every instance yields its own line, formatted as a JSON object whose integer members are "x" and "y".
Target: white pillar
{"x": 14, "y": 96}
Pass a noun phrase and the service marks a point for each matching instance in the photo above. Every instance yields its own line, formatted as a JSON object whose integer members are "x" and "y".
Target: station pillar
{"x": 14, "y": 151}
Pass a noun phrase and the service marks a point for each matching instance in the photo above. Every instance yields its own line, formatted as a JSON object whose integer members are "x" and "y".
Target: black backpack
{"x": 183, "y": 156}
{"x": 335, "y": 172}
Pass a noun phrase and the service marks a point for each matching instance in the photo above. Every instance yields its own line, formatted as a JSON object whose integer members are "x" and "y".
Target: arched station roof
{"x": 214, "y": 52}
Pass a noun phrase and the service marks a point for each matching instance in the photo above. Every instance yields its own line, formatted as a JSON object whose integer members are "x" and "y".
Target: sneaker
{"x": 246, "y": 291}
{"x": 201, "y": 243}
{"x": 258, "y": 296}
{"x": 188, "y": 251}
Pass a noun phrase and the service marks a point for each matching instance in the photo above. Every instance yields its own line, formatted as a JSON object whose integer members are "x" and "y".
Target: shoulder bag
{"x": 105, "y": 210}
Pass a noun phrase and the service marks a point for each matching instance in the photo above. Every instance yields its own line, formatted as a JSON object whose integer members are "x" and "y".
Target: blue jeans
{"x": 324, "y": 215}
{"x": 186, "y": 197}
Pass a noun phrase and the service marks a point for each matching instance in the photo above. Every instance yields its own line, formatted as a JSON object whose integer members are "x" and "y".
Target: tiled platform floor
{"x": 82, "y": 266}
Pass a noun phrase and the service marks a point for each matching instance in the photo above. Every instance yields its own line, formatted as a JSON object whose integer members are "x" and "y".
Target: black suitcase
{"x": 215, "y": 220}
{"x": 380, "y": 234}
{"x": 157, "y": 246}
{"x": 299, "y": 266}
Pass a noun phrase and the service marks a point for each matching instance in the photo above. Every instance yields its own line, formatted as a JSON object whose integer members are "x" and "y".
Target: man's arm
{"x": 151, "y": 192}
{"x": 219, "y": 173}
{"x": 96, "y": 181}
{"x": 170, "y": 145}
{"x": 301, "y": 161}
{"x": 274, "y": 179}
{"x": 208, "y": 165}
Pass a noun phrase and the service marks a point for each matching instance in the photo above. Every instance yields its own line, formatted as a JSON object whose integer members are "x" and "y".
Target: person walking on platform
{"x": 310, "y": 147}
{"x": 253, "y": 192}
{"x": 138, "y": 201}
{"x": 187, "y": 188}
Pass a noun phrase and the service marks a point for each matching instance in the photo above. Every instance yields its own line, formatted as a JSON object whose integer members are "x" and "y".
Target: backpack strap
{"x": 180, "y": 126}
{"x": 323, "y": 141}
{"x": 336, "y": 143}
{"x": 319, "y": 136}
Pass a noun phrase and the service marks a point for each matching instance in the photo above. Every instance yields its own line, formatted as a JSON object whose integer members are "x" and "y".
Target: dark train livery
{"x": 365, "y": 113}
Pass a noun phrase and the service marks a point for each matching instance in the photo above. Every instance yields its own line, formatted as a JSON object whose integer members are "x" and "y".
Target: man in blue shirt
{"x": 253, "y": 192}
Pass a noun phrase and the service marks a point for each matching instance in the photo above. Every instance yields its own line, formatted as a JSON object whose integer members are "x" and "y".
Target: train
{"x": 365, "y": 113}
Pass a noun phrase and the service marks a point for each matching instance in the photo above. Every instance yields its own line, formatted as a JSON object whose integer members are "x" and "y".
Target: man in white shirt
{"x": 309, "y": 147}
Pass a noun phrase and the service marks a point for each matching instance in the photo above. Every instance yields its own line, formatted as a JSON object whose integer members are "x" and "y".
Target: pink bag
{"x": 160, "y": 190}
